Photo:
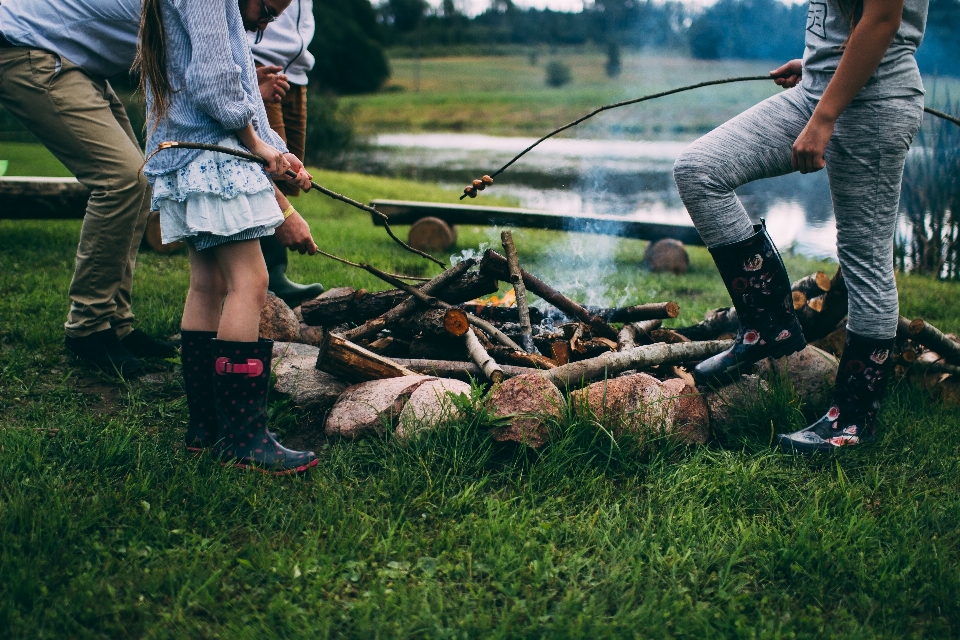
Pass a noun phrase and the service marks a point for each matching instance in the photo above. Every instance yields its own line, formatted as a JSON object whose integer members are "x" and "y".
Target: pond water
{"x": 632, "y": 179}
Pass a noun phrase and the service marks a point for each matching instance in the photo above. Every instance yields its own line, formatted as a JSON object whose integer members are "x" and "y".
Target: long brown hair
{"x": 151, "y": 60}
{"x": 853, "y": 7}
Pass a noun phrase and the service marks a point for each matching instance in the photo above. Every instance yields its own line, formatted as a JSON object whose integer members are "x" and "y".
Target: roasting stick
{"x": 487, "y": 180}
{"x": 322, "y": 189}
{"x": 513, "y": 261}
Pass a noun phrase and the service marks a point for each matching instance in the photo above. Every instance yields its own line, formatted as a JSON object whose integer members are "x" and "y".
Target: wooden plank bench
{"x": 33, "y": 198}
{"x": 41, "y": 198}
{"x": 409, "y": 212}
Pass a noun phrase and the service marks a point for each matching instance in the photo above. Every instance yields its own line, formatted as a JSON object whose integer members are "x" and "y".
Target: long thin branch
{"x": 472, "y": 190}
{"x": 319, "y": 187}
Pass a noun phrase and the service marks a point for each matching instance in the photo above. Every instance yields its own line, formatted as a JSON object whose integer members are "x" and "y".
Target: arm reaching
{"x": 865, "y": 49}
{"x": 294, "y": 233}
{"x": 788, "y": 75}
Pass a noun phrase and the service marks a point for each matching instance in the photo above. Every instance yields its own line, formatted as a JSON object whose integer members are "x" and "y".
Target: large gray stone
{"x": 370, "y": 407}
{"x": 642, "y": 405}
{"x": 727, "y": 405}
{"x": 430, "y": 406}
{"x": 277, "y": 321}
{"x": 529, "y": 401}
{"x": 812, "y": 372}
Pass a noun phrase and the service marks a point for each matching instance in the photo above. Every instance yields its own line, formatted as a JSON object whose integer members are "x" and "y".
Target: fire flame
{"x": 508, "y": 300}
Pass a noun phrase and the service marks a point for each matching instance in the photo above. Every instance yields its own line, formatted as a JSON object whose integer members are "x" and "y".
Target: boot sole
{"x": 790, "y": 347}
{"x": 269, "y": 472}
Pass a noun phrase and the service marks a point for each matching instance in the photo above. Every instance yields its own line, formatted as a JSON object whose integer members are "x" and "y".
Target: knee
{"x": 690, "y": 173}
{"x": 211, "y": 285}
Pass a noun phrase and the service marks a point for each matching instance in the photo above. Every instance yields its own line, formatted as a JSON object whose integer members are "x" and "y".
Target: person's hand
{"x": 812, "y": 143}
{"x": 273, "y": 85}
{"x": 294, "y": 234}
{"x": 788, "y": 75}
{"x": 303, "y": 177}
{"x": 277, "y": 165}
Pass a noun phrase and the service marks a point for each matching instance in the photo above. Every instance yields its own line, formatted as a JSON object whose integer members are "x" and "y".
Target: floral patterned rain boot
{"x": 861, "y": 379}
{"x": 760, "y": 289}
{"x": 242, "y": 376}
{"x": 196, "y": 360}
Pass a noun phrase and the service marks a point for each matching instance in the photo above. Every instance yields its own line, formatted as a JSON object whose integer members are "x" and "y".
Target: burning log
{"x": 499, "y": 313}
{"x": 408, "y": 305}
{"x": 495, "y": 265}
{"x": 516, "y": 279}
{"x": 614, "y": 362}
{"x": 349, "y": 361}
{"x": 360, "y": 306}
{"x": 931, "y": 337}
{"x": 561, "y": 352}
{"x": 633, "y": 333}
{"x": 491, "y": 370}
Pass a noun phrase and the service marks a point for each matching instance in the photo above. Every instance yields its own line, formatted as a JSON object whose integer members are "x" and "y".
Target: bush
{"x": 329, "y": 132}
{"x": 931, "y": 201}
{"x": 348, "y": 51}
{"x": 613, "y": 59}
{"x": 558, "y": 74}
{"x": 748, "y": 30}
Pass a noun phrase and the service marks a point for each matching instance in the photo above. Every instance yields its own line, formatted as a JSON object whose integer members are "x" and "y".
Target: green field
{"x": 109, "y": 529}
{"x": 506, "y": 95}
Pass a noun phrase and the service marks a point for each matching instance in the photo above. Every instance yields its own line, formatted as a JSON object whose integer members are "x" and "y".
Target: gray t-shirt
{"x": 828, "y": 28}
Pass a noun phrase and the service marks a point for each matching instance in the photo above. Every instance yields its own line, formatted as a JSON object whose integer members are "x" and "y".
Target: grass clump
{"x": 109, "y": 529}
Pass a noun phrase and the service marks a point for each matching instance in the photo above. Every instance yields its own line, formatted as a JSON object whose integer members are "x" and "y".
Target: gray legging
{"x": 865, "y": 161}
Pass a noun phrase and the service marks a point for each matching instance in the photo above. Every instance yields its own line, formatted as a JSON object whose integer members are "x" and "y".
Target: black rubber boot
{"x": 760, "y": 289}
{"x": 143, "y": 346}
{"x": 861, "y": 381}
{"x": 196, "y": 358}
{"x": 242, "y": 375}
{"x": 275, "y": 255}
{"x": 102, "y": 350}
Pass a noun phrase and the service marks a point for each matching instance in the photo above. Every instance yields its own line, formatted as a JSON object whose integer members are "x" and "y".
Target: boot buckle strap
{"x": 252, "y": 368}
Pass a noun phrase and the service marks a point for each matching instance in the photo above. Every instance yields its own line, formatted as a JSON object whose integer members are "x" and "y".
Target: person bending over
{"x": 853, "y": 105}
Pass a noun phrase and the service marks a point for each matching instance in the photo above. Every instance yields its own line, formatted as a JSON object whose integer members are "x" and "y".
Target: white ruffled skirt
{"x": 215, "y": 198}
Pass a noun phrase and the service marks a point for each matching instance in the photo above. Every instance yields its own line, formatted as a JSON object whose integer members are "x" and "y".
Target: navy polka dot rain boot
{"x": 196, "y": 360}
{"x": 861, "y": 380}
{"x": 241, "y": 378}
{"x": 760, "y": 290}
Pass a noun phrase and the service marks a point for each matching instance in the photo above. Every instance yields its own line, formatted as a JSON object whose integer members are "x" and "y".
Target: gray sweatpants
{"x": 864, "y": 160}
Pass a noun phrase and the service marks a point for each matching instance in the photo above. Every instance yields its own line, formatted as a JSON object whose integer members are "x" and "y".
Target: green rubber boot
{"x": 275, "y": 255}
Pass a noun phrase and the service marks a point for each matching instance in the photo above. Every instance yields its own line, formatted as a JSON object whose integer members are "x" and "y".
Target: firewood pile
{"x": 623, "y": 359}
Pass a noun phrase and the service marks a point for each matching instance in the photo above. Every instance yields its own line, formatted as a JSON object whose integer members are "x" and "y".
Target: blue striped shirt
{"x": 214, "y": 81}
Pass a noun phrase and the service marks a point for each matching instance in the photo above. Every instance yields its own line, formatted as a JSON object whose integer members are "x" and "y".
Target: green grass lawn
{"x": 109, "y": 529}
{"x": 506, "y": 95}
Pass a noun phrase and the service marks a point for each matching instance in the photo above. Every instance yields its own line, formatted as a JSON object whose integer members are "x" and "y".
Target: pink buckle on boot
{"x": 252, "y": 368}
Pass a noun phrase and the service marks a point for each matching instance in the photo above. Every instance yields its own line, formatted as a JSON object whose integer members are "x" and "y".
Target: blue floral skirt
{"x": 215, "y": 199}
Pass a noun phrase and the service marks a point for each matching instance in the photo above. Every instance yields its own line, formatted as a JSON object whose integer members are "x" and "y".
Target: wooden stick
{"x": 491, "y": 370}
{"x": 632, "y": 332}
{"x": 614, "y": 362}
{"x": 931, "y": 337}
{"x": 466, "y": 371}
{"x": 405, "y": 308}
{"x": 813, "y": 285}
{"x": 344, "y": 359}
{"x": 651, "y": 311}
{"x": 493, "y": 332}
{"x": 936, "y": 367}
{"x": 497, "y": 266}
{"x": 526, "y": 332}
{"x": 715, "y": 322}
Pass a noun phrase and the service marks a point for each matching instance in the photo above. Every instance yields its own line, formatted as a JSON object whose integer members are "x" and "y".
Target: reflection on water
{"x": 632, "y": 179}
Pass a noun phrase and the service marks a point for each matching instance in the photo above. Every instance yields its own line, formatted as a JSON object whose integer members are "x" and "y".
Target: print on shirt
{"x": 817, "y": 19}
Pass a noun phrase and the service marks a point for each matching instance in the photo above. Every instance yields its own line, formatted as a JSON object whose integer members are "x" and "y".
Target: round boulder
{"x": 529, "y": 401}
{"x": 278, "y": 322}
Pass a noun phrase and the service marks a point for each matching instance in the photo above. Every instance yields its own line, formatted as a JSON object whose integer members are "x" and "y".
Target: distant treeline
{"x": 352, "y": 34}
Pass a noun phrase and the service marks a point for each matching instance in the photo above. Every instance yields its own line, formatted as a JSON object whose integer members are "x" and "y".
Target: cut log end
{"x": 816, "y": 304}
{"x": 823, "y": 281}
{"x": 431, "y": 234}
{"x": 916, "y": 326}
{"x": 672, "y": 309}
{"x": 455, "y": 322}
{"x": 799, "y": 300}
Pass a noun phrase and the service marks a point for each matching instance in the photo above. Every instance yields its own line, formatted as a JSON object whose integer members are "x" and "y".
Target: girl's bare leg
{"x": 245, "y": 275}
{"x": 201, "y": 311}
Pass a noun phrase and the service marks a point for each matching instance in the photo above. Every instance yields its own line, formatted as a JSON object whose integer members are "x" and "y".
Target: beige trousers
{"x": 289, "y": 119}
{"x": 82, "y": 122}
